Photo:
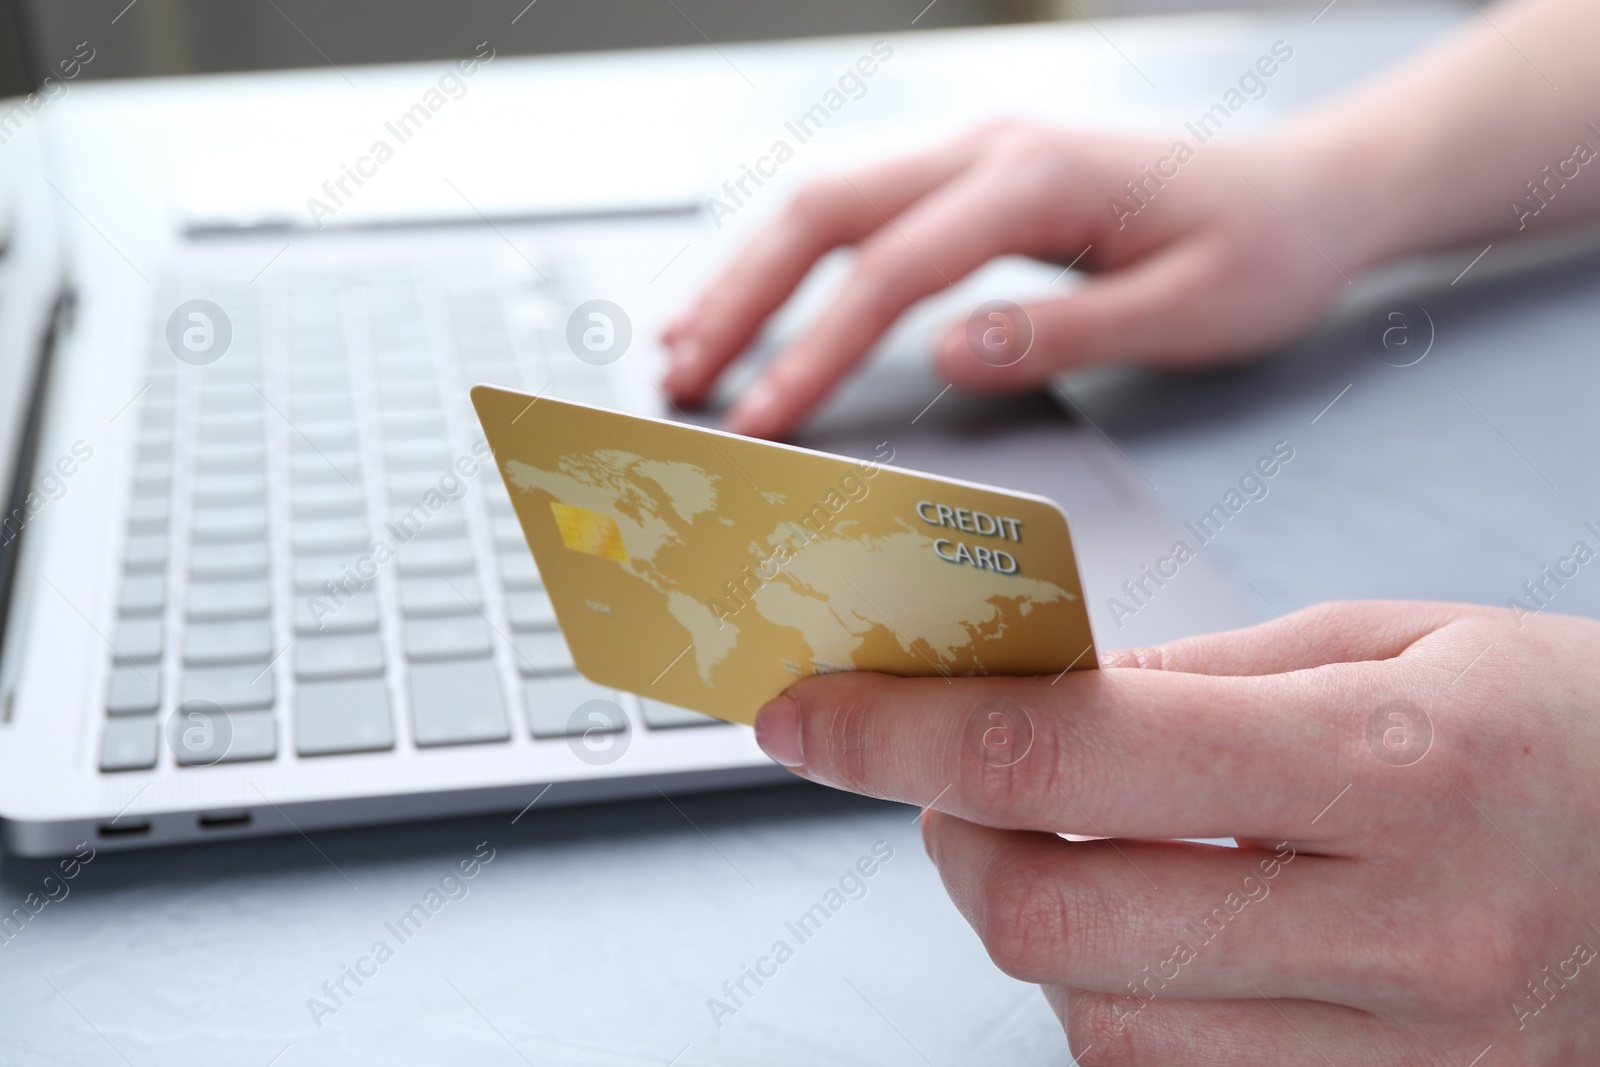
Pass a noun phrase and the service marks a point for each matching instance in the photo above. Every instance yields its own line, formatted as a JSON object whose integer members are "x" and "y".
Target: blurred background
{"x": 158, "y": 37}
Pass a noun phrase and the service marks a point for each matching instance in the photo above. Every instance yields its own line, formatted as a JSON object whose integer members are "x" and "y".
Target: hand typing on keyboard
{"x": 1208, "y": 272}
{"x": 1198, "y": 251}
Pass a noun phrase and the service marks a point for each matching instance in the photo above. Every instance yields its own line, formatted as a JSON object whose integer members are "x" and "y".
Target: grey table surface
{"x": 598, "y": 935}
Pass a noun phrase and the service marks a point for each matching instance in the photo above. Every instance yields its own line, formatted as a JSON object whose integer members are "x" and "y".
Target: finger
{"x": 1140, "y": 313}
{"x": 1112, "y": 1031}
{"x": 1326, "y": 633}
{"x": 824, "y": 215}
{"x": 1168, "y": 919}
{"x": 1193, "y": 301}
{"x": 932, "y": 245}
{"x": 1113, "y": 753}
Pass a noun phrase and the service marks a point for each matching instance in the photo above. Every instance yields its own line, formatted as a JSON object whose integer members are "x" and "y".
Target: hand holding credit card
{"x": 712, "y": 571}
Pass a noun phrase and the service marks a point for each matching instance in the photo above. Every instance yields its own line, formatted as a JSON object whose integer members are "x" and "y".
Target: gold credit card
{"x": 711, "y": 571}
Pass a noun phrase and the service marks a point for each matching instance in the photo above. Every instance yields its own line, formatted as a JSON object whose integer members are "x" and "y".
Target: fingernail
{"x": 951, "y": 353}
{"x": 681, "y": 358}
{"x": 778, "y": 730}
{"x": 684, "y": 351}
{"x": 675, "y": 325}
{"x": 754, "y": 410}
{"x": 930, "y": 842}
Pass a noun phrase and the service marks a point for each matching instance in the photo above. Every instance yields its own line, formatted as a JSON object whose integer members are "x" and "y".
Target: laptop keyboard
{"x": 320, "y": 557}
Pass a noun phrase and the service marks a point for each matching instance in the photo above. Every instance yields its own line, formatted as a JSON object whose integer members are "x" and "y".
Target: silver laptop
{"x": 259, "y": 574}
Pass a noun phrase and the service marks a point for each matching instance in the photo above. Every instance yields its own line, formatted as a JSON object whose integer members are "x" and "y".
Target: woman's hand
{"x": 1204, "y": 258}
{"x": 1416, "y": 793}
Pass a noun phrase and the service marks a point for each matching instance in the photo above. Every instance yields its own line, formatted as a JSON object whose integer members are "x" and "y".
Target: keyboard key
{"x": 518, "y": 571}
{"x": 552, "y": 706}
{"x": 408, "y": 398}
{"x": 404, "y": 424}
{"x": 407, "y": 485}
{"x": 214, "y": 643}
{"x": 309, "y": 573}
{"x": 129, "y": 744}
{"x": 222, "y": 397}
{"x": 440, "y": 596}
{"x": 449, "y": 637}
{"x": 457, "y": 703}
{"x": 423, "y": 557}
{"x": 312, "y": 409}
{"x": 156, "y": 440}
{"x": 507, "y": 532}
{"x": 143, "y": 594}
{"x": 327, "y": 468}
{"x": 248, "y": 598}
{"x": 230, "y": 688}
{"x": 245, "y": 523}
{"x": 238, "y": 559}
{"x": 543, "y": 652}
{"x": 309, "y": 536}
{"x": 133, "y": 691}
{"x": 329, "y": 437}
{"x": 148, "y": 514}
{"x": 530, "y": 610}
{"x": 315, "y": 501}
{"x": 402, "y": 360}
{"x": 340, "y": 614}
{"x": 417, "y": 522}
{"x": 223, "y": 490}
{"x": 660, "y": 716}
{"x": 158, "y": 410}
{"x": 330, "y": 387}
{"x": 429, "y": 454}
{"x": 496, "y": 367}
{"x": 242, "y": 365}
{"x": 342, "y": 716}
{"x": 146, "y": 552}
{"x": 239, "y": 736}
{"x": 231, "y": 458}
{"x": 318, "y": 378}
{"x": 337, "y": 656}
{"x": 395, "y": 328}
{"x": 229, "y": 427}
{"x": 139, "y": 640}
{"x": 152, "y": 479}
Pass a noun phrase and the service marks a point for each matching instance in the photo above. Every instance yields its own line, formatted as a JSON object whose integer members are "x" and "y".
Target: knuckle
{"x": 1023, "y": 919}
{"x": 881, "y": 270}
{"x": 819, "y": 201}
{"x": 1154, "y": 658}
{"x": 1466, "y": 962}
{"x": 1486, "y": 959}
{"x": 1013, "y": 790}
{"x": 997, "y": 795}
{"x": 1104, "y": 1023}
{"x": 848, "y": 740}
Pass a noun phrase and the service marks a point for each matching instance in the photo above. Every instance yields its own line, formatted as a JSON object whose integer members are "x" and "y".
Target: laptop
{"x": 258, "y": 572}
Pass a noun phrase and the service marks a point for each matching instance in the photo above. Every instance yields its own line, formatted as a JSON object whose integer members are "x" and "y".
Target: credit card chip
{"x": 589, "y": 531}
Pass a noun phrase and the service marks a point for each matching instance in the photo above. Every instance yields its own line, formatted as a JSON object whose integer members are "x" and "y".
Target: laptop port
{"x": 130, "y": 828}
{"x": 222, "y": 820}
